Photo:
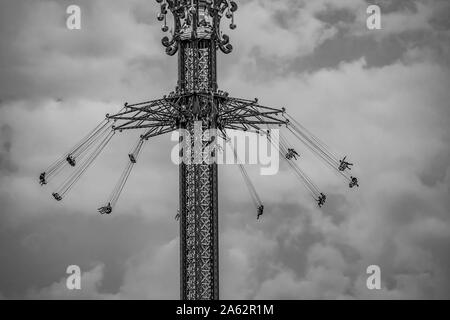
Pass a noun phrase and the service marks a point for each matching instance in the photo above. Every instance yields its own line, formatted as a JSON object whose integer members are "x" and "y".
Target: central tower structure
{"x": 199, "y": 236}
{"x": 196, "y": 37}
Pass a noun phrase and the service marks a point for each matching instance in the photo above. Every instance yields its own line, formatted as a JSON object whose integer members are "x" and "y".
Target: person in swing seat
{"x": 354, "y": 182}
{"x": 344, "y": 165}
{"x": 42, "y": 179}
{"x": 260, "y": 211}
{"x": 56, "y": 196}
{"x": 106, "y": 209}
{"x": 321, "y": 200}
{"x": 71, "y": 160}
{"x": 292, "y": 154}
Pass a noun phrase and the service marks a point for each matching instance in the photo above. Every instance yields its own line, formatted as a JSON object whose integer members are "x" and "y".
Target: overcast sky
{"x": 381, "y": 96}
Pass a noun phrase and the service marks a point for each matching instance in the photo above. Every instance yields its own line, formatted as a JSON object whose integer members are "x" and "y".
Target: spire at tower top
{"x": 196, "y": 20}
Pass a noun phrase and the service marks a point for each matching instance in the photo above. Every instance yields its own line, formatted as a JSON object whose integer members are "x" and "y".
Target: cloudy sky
{"x": 381, "y": 96}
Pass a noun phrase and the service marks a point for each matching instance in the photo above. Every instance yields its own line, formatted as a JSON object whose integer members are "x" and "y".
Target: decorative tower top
{"x": 196, "y": 20}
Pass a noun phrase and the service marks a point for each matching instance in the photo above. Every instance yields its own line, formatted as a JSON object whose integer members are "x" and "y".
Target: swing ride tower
{"x": 196, "y": 37}
{"x": 197, "y": 74}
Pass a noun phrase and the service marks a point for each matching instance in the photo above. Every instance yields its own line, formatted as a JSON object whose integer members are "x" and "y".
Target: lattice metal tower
{"x": 197, "y": 38}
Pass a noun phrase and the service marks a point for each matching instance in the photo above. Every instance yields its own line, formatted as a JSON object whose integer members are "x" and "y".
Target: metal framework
{"x": 196, "y": 37}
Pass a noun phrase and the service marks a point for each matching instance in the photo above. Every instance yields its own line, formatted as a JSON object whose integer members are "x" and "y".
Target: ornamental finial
{"x": 196, "y": 20}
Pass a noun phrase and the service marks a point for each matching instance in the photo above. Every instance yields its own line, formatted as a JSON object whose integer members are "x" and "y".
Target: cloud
{"x": 6, "y": 164}
{"x": 380, "y": 115}
{"x": 153, "y": 274}
{"x": 99, "y": 60}
{"x": 90, "y": 283}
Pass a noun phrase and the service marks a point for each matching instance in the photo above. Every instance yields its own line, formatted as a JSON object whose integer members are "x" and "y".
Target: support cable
{"x": 303, "y": 177}
{"x": 249, "y": 184}
{"x": 319, "y": 142}
{"x": 321, "y": 150}
{"x": 68, "y": 184}
{"x": 117, "y": 191}
{"x": 321, "y": 156}
{"x": 77, "y": 151}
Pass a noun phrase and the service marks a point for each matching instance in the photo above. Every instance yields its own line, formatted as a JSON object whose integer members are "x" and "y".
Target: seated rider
{"x": 71, "y": 160}
{"x": 260, "y": 211}
{"x": 344, "y": 165}
{"x": 132, "y": 158}
{"x": 354, "y": 182}
{"x": 321, "y": 200}
{"x": 42, "y": 180}
{"x": 56, "y": 196}
{"x": 106, "y": 209}
{"x": 292, "y": 154}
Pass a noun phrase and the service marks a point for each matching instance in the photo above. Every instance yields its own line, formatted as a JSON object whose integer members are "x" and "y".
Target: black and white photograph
{"x": 244, "y": 150}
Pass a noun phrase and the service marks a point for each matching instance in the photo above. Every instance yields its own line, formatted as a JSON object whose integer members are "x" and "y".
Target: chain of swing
{"x": 117, "y": 191}
{"x": 290, "y": 155}
{"x": 76, "y": 153}
{"x": 248, "y": 182}
{"x": 82, "y": 155}
{"x": 321, "y": 150}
